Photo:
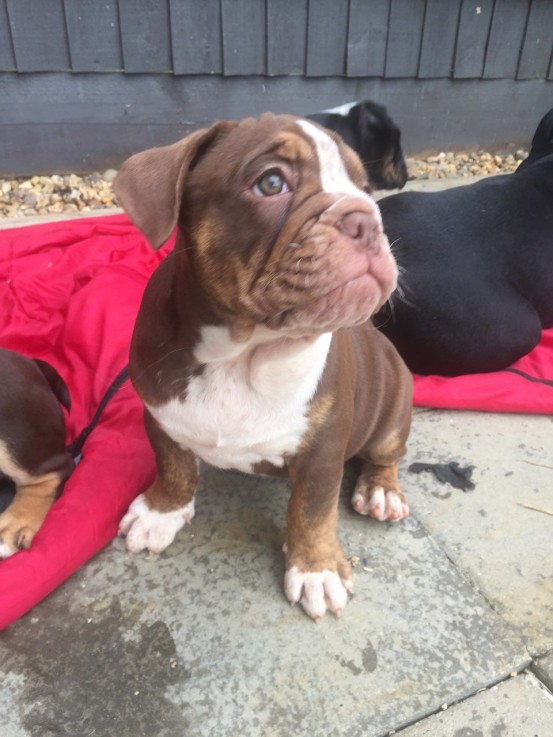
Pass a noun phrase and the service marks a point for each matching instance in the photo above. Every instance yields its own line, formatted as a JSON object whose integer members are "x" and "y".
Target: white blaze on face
{"x": 334, "y": 176}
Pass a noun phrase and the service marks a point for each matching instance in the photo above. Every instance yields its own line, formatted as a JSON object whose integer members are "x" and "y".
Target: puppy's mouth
{"x": 346, "y": 304}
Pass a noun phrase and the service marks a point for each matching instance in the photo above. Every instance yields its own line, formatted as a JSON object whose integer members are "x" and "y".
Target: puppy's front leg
{"x": 155, "y": 517}
{"x": 317, "y": 572}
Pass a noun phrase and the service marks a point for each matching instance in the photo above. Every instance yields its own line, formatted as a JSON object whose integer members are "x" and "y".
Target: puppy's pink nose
{"x": 361, "y": 227}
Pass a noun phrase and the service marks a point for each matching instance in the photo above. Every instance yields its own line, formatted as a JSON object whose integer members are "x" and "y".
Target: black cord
{"x": 75, "y": 448}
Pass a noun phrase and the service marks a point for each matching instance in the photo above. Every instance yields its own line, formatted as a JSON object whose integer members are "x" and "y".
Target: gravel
{"x": 464, "y": 164}
{"x": 44, "y": 195}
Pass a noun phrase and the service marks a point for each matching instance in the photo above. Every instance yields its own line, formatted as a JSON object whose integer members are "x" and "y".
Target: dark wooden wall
{"x": 115, "y": 75}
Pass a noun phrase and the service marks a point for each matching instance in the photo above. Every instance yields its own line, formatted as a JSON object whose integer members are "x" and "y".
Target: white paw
{"x": 6, "y": 551}
{"x": 146, "y": 529}
{"x": 317, "y": 591}
{"x": 385, "y": 506}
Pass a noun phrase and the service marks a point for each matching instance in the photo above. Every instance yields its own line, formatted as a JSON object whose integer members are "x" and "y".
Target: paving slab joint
{"x": 465, "y": 575}
{"x": 525, "y": 667}
{"x": 543, "y": 673}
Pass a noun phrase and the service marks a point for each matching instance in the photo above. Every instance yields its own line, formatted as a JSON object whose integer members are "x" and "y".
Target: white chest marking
{"x": 334, "y": 176}
{"x": 250, "y": 402}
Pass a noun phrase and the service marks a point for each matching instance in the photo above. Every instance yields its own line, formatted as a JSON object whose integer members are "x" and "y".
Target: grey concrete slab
{"x": 504, "y": 547}
{"x": 519, "y": 707}
{"x": 201, "y": 641}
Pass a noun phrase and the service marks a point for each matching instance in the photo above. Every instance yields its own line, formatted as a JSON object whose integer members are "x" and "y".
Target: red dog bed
{"x": 69, "y": 293}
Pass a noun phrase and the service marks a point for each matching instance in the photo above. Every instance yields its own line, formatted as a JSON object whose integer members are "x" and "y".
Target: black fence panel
{"x": 506, "y": 38}
{"x": 327, "y": 32}
{"x": 94, "y": 35}
{"x": 535, "y": 58}
{"x": 367, "y": 37}
{"x": 145, "y": 36}
{"x": 85, "y": 82}
{"x": 244, "y": 47}
{"x": 286, "y": 36}
{"x": 404, "y": 38}
{"x": 196, "y": 38}
{"x": 7, "y": 57}
{"x": 440, "y": 22}
{"x": 426, "y": 39}
{"x": 38, "y": 34}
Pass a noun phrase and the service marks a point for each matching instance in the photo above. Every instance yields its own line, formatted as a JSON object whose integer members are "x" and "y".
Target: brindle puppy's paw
{"x": 385, "y": 505}
{"x": 8, "y": 544}
{"x": 146, "y": 529}
{"x": 18, "y": 528}
{"x": 15, "y": 535}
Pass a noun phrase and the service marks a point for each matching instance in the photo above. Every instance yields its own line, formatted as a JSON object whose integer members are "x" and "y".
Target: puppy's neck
{"x": 219, "y": 344}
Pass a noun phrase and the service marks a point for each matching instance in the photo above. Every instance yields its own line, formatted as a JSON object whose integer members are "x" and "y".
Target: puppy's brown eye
{"x": 271, "y": 184}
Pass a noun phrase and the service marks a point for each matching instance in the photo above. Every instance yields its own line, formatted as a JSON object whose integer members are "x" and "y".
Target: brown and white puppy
{"x": 32, "y": 445}
{"x": 253, "y": 347}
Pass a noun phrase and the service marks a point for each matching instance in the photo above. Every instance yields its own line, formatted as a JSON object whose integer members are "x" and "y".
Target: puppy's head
{"x": 379, "y": 145}
{"x": 278, "y": 224}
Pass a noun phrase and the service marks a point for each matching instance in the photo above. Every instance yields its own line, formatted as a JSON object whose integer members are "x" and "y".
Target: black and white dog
{"x": 477, "y": 265}
{"x": 373, "y": 135}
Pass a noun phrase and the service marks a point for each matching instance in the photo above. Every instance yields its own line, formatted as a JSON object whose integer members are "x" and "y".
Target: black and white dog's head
{"x": 369, "y": 130}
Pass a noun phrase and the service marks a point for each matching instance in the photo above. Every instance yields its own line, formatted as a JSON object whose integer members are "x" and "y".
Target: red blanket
{"x": 69, "y": 293}
{"x": 526, "y": 386}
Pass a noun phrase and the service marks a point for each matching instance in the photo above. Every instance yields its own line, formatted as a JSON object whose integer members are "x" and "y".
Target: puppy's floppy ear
{"x": 149, "y": 184}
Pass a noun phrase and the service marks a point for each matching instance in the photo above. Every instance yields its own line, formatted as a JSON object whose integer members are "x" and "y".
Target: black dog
{"x": 477, "y": 266}
{"x": 374, "y": 136}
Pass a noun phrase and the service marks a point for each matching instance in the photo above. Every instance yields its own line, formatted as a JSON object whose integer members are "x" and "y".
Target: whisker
{"x": 177, "y": 252}
{"x": 374, "y": 161}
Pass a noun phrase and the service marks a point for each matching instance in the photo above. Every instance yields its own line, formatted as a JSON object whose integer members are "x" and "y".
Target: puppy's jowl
{"x": 253, "y": 348}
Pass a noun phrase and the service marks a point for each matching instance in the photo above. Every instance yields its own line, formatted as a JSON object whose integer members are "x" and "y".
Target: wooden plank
{"x": 327, "y": 29}
{"x": 42, "y": 129}
{"x": 474, "y": 26}
{"x": 367, "y": 37}
{"x": 7, "y": 58}
{"x": 537, "y": 45}
{"x": 438, "y": 38}
{"x": 93, "y": 31}
{"x": 506, "y": 38}
{"x": 196, "y": 37}
{"x": 404, "y": 38}
{"x": 286, "y": 36}
{"x": 145, "y": 37}
{"x": 244, "y": 47}
{"x": 39, "y": 35}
